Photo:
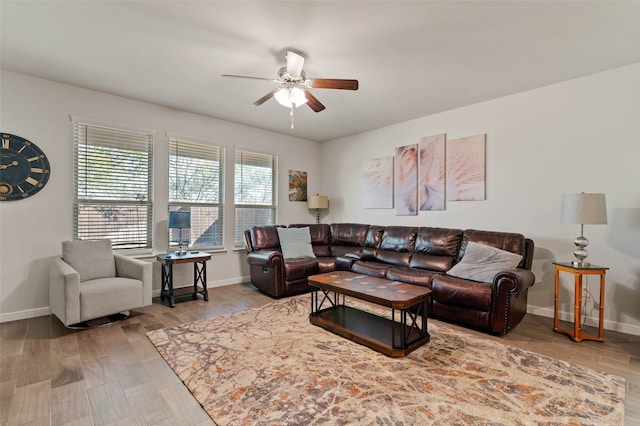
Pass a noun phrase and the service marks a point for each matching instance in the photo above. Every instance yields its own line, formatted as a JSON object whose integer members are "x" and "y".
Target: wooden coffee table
{"x": 397, "y": 336}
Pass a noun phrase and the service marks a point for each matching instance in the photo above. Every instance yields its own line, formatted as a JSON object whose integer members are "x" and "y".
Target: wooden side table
{"x": 577, "y": 334}
{"x": 199, "y": 260}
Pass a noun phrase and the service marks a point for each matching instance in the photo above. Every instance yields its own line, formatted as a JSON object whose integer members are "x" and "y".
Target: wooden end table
{"x": 395, "y": 337}
{"x": 199, "y": 260}
{"x": 577, "y": 334}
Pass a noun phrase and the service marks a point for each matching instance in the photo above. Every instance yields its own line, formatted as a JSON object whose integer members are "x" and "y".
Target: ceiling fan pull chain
{"x": 291, "y": 114}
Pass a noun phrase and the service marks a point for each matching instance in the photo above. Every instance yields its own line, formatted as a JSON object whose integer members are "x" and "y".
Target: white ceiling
{"x": 412, "y": 59}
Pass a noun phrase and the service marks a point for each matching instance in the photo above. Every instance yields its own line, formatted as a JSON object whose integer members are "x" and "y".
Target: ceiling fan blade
{"x": 252, "y": 78}
{"x": 313, "y": 102}
{"x": 265, "y": 98}
{"x": 333, "y": 83}
{"x": 295, "y": 63}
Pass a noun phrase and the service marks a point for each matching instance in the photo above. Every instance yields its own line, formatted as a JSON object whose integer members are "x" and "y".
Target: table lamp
{"x": 180, "y": 220}
{"x": 318, "y": 202}
{"x": 583, "y": 209}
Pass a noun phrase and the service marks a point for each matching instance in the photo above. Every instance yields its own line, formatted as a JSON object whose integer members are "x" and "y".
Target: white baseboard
{"x": 38, "y": 312}
{"x": 591, "y": 321}
{"x": 213, "y": 284}
{"x": 26, "y": 314}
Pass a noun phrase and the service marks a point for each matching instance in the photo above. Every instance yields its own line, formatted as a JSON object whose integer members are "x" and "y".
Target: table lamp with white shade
{"x": 583, "y": 209}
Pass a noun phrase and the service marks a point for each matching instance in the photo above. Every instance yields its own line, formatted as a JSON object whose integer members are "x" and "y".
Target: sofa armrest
{"x": 343, "y": 263}
{"x": 514, "y": 280}
{"x": 510, "y": 298}
{"x": 136, "y": 269}
{"x": 269, "y": 258}
{"x": 64, "y": 291}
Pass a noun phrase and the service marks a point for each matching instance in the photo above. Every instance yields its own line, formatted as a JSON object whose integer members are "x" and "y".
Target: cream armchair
{"x": 89, "y": 281}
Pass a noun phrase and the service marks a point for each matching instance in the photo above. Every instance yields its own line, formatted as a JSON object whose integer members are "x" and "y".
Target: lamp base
{"x": 580, "y": 264}
{"x": 581, "y": 251}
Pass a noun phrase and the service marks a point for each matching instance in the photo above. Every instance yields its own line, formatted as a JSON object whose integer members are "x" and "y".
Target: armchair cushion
{"x": 482, "y": 263}
{"x": 295, "y": 243}
{"x": 105, "y": 296}
{"x": 90, "y": 258}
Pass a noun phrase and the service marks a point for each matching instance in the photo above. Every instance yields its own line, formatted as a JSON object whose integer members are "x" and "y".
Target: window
{"x": 196, "y": 185}
{"x": 112, "y": 179}
{"x": 255, "y": 198}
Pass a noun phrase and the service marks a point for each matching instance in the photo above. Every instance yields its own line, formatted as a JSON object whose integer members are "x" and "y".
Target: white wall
{"x": 31, "y": 230}
{"x": 580, "y": 135}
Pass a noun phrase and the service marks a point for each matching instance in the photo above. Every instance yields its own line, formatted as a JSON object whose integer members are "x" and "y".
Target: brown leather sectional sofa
{"x": 417, "y": 255}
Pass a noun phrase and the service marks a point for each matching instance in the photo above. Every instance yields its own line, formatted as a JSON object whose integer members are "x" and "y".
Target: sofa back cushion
{"x": 347, "y": 237}
{"x": 92, "y": 259}
{"x": 265, "y": 237}
{"x": 512, "y": 242}
{"x": 436, "y": 248}
{"x": 397, "y": 245}
{"x": 372, "y": 240}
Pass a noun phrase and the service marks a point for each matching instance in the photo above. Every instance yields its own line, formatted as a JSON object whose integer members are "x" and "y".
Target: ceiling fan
{"x": 295, "y": 85}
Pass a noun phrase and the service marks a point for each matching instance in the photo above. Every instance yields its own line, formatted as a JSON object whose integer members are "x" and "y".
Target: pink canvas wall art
{"x": 431, "y": 184}
{"x": 378, "y": 183}
{"x": 406, "y": 180}
{"x": 466, "y": 168}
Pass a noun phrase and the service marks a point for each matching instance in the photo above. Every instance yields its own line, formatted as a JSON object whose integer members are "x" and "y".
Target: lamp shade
{"x": 180, "y": 220}
{"x": 318, "y": 202}
{"x": 583, "y": 209}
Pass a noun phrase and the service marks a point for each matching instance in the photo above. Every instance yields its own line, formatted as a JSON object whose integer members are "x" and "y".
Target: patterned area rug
{"x": 270, "y": 366}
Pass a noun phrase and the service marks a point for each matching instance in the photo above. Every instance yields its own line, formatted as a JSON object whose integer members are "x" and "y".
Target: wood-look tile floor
{"x": 112, "y": 375}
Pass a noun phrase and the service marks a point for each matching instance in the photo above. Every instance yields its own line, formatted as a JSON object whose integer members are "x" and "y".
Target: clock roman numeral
{"x": 31, "y": 180}
{"x": 5, "y": 143}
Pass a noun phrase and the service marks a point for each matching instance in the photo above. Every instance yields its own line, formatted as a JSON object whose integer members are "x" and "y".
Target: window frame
{"x": 124, "y": 139}
{"x": 239, "y": 242}
{"x": 199, "y": 150}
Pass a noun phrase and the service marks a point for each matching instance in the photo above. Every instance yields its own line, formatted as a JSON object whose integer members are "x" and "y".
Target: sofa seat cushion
{"x": 457, "y": 291}
{"x": 106, "y": 296}
{"x": 371, "y": 268}
{"x": 326, "y": 264}
{"x": 298, "y": 269}
{"x": 411, "y": 275}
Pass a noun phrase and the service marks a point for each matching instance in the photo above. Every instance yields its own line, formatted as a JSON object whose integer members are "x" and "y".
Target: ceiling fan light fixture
{"x": 290, "y": 96}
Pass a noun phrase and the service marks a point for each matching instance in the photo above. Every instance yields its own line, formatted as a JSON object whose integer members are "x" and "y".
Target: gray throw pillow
{"x": 482, "y": 263}
{"x": 90, "y": 258}
{"x": 295, "y": 243}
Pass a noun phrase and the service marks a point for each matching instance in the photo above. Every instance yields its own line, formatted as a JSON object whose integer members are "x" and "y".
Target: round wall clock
{"x": 24, "y": 169}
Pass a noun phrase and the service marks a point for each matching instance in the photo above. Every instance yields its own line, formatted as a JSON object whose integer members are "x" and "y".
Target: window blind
{"x": 255, "y": 192}
{"x": 196, "y": 185}
{"x": 113, "y": 185}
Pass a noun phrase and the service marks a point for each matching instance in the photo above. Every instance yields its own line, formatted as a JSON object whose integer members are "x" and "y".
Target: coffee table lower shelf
{"x": 378, "y": 333}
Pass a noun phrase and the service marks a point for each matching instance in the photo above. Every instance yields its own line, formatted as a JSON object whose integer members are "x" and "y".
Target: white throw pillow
{"x": 482, "y": 263}
{"x": 295, "y": 243}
